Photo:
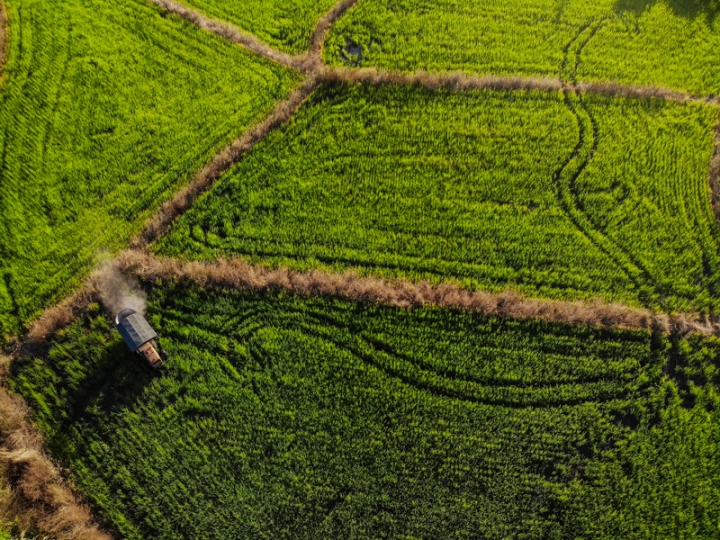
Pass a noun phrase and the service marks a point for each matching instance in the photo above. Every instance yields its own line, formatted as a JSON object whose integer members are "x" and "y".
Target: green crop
{"x": 282, "y": 417}
{"x": 106, "y": 109}
{"x": 552, "y": 196}
{"x": 671, "y": 43}
{"x": 286, "y": 24}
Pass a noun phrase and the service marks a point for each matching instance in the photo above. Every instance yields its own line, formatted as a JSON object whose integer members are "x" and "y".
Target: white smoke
{"x": 119, "y": 292}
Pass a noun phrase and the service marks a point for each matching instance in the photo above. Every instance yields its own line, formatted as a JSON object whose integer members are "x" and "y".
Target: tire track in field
{"x": 567, "y": 176}
{"x": 425, "y": 377}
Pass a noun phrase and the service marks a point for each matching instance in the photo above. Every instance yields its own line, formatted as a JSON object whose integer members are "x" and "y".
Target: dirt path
{"x": 4, "y": 44}
{"x": 40, "y": 498}
{"x": 230, "y": 155}
{"x": 239, "y": 274}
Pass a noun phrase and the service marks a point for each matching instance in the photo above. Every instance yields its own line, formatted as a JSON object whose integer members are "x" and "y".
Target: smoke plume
{"x": 118, "y": 291}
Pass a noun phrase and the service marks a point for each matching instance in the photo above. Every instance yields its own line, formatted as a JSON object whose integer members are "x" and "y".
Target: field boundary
{"x": 4, "y": 41}
{"x": 231, "y": 33}
{"x": 39, "y": 496}
{"x": 714, "y": 173}
{"x": 462, "y": 82}
{"x": 311, "y": 63}
{"x": 238, "y": 274}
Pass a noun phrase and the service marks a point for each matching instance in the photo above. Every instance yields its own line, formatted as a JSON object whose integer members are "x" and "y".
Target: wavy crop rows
{"x": 97, "y": 132}
{"x": 313, "y": 418}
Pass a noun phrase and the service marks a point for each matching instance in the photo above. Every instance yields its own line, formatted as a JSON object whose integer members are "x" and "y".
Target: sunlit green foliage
{"x": 553, "y": 197}
{"x": 280, "y": 417}
{"x": 286, "y": 24}
{"x": 106, "y": 108}
{"x": 670, "y": 43}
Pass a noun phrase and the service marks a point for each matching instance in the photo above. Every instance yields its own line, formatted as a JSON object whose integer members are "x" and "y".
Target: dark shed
{"x": 134, "y": 329}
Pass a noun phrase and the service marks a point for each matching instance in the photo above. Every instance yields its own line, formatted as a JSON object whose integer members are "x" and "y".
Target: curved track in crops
{"x": 558, "y": 390}
{"x": 567, "y": 176}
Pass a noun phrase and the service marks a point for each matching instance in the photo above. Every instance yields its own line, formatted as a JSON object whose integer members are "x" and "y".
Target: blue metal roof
{"x": 135, "y": 330}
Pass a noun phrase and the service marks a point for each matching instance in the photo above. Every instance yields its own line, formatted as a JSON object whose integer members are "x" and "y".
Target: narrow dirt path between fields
{"x": 714, "y": 174}
{"x": 230, "y": 155}
{"x": 4, "y": 43}
{"x": 239, "y": 274}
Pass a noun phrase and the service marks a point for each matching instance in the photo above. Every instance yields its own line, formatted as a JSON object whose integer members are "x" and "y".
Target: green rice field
{"x": 101, "y": 111}
{"x": 563, "y": 197}
{"x": 672, "y": 43}
{"x": 331, "y": 414}
{"x": 286, "y": 417}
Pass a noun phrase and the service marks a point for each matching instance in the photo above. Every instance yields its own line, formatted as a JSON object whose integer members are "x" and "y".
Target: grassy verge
{"x": 284, "y": 417}
{"x": 106, "y": 109}
{"x": 669, "y": 43}
{"x": 556, "y": 197}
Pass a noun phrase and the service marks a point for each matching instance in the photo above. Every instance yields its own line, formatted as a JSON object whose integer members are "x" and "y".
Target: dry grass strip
{"x": 435, "y": 81}
{"x": 38, "y": 495}
{"x": 205, "y": 179}
{"x": 323, "y": 26}
{"x": 460, "y": 82}
{"x": 239, "y": 274}
{"x": 714, "y": 174}
{"x": 3, "y": 37}
{"x": 231, "y": 33}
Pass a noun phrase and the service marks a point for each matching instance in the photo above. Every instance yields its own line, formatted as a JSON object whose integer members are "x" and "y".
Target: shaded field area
{"x": 106, "y": 109}
{"x": 670, "y": 43}
{"x": 286, "y": 24}
{"x": 560, "y": 196}
{"x": 284, "y": 417}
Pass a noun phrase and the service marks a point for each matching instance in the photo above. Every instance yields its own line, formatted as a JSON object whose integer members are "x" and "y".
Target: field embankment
{"x": 287, "y": 25}
{"x": 242, "y": 276}
{"x": 98, "y": 132}
{"x": 37, "y": 496}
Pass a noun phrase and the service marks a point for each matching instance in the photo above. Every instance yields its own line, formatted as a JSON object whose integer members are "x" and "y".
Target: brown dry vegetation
{"x": 3, "y": 37}
{"x": 324, "y": 24}
{"x": 434, "y": 81}
{"x": 37, "y": 494}
{"x": 460, "y": 82}
{"x": 614, "y": 89}
{"x": 204, "y": 180}
{"x": 231, "y": 33}
{"x": 714, "y": 174}
{"x": 239, "y": 274}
